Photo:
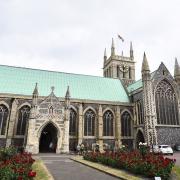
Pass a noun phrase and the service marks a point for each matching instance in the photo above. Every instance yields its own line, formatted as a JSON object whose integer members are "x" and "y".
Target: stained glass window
{"x": 3, "y": 119}
{"x": 72, "y": 123}
{"x": 108, "y": 123}
{"x": 166, "y": 104}
{"x": 125, "y": 124}
{"x": 23, "y": 117}
{"x": 89, "y": 123}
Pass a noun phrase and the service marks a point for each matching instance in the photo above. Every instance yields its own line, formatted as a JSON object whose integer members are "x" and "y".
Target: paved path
{"x": 62, "y": 168}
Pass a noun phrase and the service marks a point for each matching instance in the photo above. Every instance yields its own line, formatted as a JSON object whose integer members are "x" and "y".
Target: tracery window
{"x": 126, "y": 124}
{"x": 108, "y": 123}
{"x": 72, "y": 123}
{"x": 166, "y": 104}
{"x": 139, "y": 112}
{"x": 3, "y": 119}
{"x": 89, "y": 123}
{"x": 23, "y": 117}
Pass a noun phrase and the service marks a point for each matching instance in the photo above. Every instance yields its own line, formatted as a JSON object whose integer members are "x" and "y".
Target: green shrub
{"x": 6, "y": 173}
{"x": 15, "y": 165}
{"x": 7, "y": 153}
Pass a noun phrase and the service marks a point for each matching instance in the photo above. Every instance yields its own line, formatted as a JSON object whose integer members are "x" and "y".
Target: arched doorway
{"x": 139, "y": 138}
{"x": 48, "y": 139}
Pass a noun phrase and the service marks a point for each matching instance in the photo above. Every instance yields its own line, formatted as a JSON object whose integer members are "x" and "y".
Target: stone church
{"x": 49, "y": 111}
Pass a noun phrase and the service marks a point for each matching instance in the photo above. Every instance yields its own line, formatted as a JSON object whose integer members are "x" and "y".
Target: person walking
{"x": 82, "y": 148}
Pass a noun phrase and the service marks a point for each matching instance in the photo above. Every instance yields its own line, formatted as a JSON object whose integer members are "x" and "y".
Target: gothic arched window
{"x": 140, "y": 112}
{"x": 3, "y": 119}
{"x": 125, "y": 124}
{"x": 23, "y": 117}
{"x": 166, "y": 104}
{"x": 89, "y": 123}
{"x": 72, "y": 123}
{"x": 108, "y": 123}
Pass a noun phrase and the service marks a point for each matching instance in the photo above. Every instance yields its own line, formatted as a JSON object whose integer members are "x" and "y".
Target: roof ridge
{"x": 53, "y": 71}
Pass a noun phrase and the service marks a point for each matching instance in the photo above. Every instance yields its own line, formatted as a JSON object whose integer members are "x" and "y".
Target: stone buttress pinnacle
{"x": 105, "y": 55}
{"x": 131, "y": 51}
{"x": 176, "y": 69}
{"x": 35, "y": 92}
{"x": 112, "y": 48}
{"x": 145, "y": 65}
{"x": 67, "y": 93}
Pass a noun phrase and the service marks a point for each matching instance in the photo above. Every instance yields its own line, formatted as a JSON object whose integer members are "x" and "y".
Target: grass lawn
{"x": 176, "y": 170}
{"x": 42, "y": 173}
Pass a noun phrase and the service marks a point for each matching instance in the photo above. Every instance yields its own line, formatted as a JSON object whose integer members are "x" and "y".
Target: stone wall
{"x": 40, "y": 118}
{"x": 89, "y": 142}
{"x": 2, "y": 142}
{"x": 73, "y": 144}
{"x": 110, "y": 142}
{"x": 17, "y": 141}
{"x": 168, "y": 135}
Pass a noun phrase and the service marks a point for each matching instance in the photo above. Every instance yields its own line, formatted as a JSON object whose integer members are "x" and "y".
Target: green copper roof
{"x": 135, "y": 85}
{"x": 138, "y": 84}
{"x": 16, "y": 80}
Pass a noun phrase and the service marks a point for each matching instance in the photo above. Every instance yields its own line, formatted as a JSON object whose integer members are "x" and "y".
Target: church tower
{"x": 119, "y": 66}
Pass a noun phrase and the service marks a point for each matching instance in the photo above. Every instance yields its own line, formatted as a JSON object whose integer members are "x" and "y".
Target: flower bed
{"x": 16, "y": 165}
{"x": 148, "y": 164}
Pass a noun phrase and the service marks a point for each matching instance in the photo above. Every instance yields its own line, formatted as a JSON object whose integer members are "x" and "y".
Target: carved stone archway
{"x": 48, "y": 138}
{"x": 49, "y": 111}
{"x": 139, "y": 138}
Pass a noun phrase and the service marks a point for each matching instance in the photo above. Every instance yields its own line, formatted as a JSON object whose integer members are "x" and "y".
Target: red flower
{"x": 32, "y": 174}
{"x": 20, "y": 178}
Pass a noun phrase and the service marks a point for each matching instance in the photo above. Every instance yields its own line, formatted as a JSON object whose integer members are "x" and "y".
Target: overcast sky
{"x": 70, "y": 35}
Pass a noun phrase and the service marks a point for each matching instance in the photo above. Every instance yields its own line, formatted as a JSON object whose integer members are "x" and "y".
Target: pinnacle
{"x": 176, "y": 68}
{"x": 67, "y": 93}
{"x": 145, "y": 65}
{"x": 36, "y": 89}
{"x": 105, "y": 55}
{"x": 112, "y": 43}
{"x": 112, "y": 48}
{"x": 131, "y": 47}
